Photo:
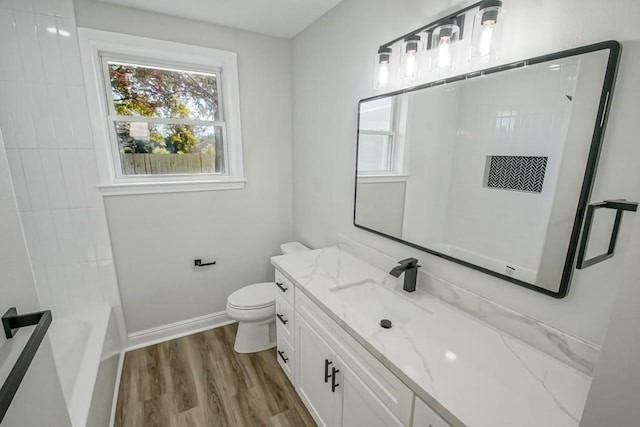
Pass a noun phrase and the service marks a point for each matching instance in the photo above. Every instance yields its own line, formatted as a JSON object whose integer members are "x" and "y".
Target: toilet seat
{"x": 252, "y": 297}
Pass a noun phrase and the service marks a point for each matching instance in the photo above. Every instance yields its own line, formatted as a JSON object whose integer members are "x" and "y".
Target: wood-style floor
{"x": 199, "y": 380}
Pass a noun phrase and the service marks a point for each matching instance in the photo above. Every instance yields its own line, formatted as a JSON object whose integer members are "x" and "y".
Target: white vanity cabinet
{"x": 316, "y": 377}
{"x": 340, "y": 382}
{"x": 424, "y": 416}
{"x": 285, "y": 319}
{"x": 332, "y": 391}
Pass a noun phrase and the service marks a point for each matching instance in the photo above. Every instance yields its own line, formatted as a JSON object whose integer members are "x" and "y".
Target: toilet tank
{"x": 292, "y": 247}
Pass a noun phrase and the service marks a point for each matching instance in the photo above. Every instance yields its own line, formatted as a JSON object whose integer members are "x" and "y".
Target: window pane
{"x": 157, "y": 92}
{"x": 377, "y": 114}
{"x": 165, "y": 149}
{"x": 375, "y": 152}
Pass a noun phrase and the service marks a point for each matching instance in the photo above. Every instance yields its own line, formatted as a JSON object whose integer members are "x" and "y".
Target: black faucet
{"x": 410, "y": 268}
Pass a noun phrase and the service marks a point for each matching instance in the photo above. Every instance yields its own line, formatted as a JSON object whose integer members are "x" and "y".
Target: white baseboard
{"x": 177, "y": 330}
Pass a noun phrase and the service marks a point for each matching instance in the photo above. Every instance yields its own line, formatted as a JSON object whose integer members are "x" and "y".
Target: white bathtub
{"x": 77, "y": 344}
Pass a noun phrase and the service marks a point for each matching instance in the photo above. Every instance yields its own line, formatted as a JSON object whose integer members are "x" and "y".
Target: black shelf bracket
{"x": 11, "y": 322}
{"x": 621, "y": 206}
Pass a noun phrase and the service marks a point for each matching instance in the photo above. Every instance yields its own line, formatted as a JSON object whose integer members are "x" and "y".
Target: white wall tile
{"x": 41, "y": 115}
{"x": 19, "y": 183}
{"x": 59, "y": 105}
{"x": 50, "y": 49}
{"x": 109, "y": 282}
{"x": 29, "y": 46}
{"x": 6, "y": 120}
{"x": 89, "y": 172}
{"x": 31, "y": 235}
{"x": 47, "y": 238}
{"x": 59, "y": 291}
{"x": 21, "y": 114}
{"x": 34, "y": 177}
{"x": 73, "y": 178}
{"x": 23, "y": 5}
{"x": 10, "y": 217}
{"x": 69, "y": 50}
{"x": 53, "y": 177}
{"x": 66, "y": 236}
{"x": 83, "y": 237}
{"x": 44, "y": 7}
{"x": 63, "y": 8}
{"x": 42, "y": 285}
{"x": 9, "y": 48}
{"x": 79, "y": 116}
{"x": 100, "y": 233}
{"x": 91, "y": 283}
{"x": 75, "y": 290}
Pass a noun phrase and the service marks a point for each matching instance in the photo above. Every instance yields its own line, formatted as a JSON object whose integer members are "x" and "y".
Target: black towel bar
{"x": 11, "y": 322}
{"x": 620, "y": 206}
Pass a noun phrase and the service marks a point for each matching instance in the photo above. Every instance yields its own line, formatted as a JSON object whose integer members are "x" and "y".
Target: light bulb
{"x": 382, "y": 69}
{"x": 410, "y": 65}
{"x": 486, "y": 39}
{"x": 410, "y": 53}
{"x": 444, "y": 53}
{"x": 486, "y": 32}
{"x": 383, "y": 76}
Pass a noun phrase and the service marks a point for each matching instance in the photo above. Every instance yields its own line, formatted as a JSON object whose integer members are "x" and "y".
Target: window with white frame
{"x": 166, "y": 116}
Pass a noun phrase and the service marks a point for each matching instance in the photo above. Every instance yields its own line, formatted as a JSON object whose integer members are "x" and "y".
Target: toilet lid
{"x": 253, "y": 296}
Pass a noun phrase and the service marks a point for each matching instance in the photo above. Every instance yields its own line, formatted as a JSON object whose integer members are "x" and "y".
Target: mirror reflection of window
{"x": 506, "y": 121}
{"x": 381, "y": 136}
{"x": 377, "y": 151}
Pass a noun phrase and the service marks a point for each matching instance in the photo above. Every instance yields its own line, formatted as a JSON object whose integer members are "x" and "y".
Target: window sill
{"x": 133, "y": 188}
{"x": 371, "y": 179}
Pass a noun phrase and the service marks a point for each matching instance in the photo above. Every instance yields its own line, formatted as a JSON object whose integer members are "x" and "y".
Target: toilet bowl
{"x": 254, "y": 308}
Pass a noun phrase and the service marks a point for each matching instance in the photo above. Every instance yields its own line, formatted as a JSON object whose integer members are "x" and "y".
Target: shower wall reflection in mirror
{"x": 489, "y": 170}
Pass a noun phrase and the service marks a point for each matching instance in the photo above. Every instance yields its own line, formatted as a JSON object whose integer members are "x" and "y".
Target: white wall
{"x": 17, "y": 287}
{"x": 615, "y": 390}
{"x": 49, "y": 145}
{"x": 333, "y": 69}
{"x": 156, "y": 237}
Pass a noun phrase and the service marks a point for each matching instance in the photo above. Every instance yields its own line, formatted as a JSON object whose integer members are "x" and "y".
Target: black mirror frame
{"x": 615, "y": 50}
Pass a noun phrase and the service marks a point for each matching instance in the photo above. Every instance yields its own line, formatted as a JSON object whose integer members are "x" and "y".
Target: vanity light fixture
{"x": 436, "y": 42}
{"x": 411, "y": 50}
{"x": 487, "y": 24}
{"x": 382, "y": 69}
{"x": 446, "y": 33}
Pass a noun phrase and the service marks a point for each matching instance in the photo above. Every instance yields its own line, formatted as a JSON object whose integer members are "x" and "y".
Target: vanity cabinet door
{"x": 315, "y": 362}
{"x": 360, "y": 406}
{"x": 424, "y": 416}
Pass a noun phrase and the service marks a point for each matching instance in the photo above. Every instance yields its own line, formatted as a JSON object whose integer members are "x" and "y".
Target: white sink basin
{"x": 375, "y": 302}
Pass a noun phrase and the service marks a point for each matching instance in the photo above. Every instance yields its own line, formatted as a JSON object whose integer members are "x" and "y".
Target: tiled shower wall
{"x": 44, "y": 120}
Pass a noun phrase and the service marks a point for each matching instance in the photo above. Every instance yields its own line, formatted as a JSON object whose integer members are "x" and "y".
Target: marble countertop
{"x": 468, "y": 371}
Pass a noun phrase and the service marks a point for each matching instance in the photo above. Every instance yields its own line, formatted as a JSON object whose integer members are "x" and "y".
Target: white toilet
{"x": 254, "y": 308}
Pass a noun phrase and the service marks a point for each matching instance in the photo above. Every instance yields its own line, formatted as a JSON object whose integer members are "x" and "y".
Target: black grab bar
{"x": 11, "y": 322}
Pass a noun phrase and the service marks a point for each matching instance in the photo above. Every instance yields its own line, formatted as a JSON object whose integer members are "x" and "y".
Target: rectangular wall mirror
{"x": 493, "y": 169}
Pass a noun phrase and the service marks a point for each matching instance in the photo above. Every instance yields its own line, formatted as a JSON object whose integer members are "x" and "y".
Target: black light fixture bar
{"x": 458, "y": 16}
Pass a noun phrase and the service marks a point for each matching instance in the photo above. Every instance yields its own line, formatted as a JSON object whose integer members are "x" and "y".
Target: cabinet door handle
{"x": 326, "y": 370}
{"x": 282, "y": 319}
{"x": 281, "y": 354}
{"x": 282, "y": 288}
{"x": 334, "y": 384}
